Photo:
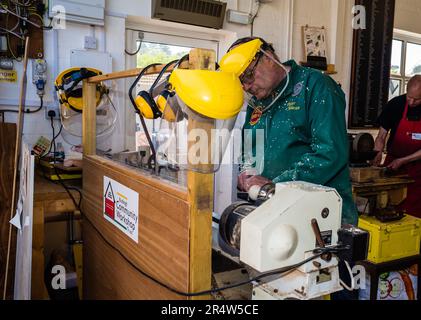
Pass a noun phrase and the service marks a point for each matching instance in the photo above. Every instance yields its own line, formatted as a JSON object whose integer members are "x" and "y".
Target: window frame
{"x": 405, "y": 37}
{"x": 158, "y": 35}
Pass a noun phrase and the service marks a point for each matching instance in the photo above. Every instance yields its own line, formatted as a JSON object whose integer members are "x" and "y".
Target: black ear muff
{"x": 146, "y": 105}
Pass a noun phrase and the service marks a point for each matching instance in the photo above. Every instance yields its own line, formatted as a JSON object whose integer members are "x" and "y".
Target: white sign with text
{"x": 121, "y": 207}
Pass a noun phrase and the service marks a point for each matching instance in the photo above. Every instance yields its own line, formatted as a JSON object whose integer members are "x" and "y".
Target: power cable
{"x": 141, "y": 36}
{"x": 27, "y": 111}
{"x": 39, "y": 108}
{"x": 253, "y": 18}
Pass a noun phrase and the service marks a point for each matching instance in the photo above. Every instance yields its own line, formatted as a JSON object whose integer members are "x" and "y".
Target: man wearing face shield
{"x": 302, "y": 113}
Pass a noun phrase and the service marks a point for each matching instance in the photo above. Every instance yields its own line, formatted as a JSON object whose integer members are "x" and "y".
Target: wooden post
{"x": 200, "y": 195}
{"x": 89, "y": 118}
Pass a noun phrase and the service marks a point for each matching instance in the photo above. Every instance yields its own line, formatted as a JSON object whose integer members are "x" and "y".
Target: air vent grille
{"x": 206, "y": 13}
{"x": 195, "y": 6}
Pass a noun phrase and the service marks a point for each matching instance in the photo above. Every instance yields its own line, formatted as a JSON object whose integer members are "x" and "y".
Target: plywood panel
{"x": 7, "y": 150}
{"x": 162, "y": 250}
{"x": 111, "y": 277}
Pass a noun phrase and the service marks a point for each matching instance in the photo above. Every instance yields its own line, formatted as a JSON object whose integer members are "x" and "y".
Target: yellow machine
{"x": 392, "y": 240}
{"x": 393, "y": 234}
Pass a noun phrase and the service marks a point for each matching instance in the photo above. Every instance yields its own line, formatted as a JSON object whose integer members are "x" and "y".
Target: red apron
{"x": 404, "y": 144}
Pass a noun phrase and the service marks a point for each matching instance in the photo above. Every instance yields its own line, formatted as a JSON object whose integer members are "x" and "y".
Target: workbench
{"x": 51, "y": 203}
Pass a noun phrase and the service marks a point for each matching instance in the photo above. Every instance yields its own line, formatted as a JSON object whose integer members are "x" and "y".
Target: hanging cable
{"x": 39, "y": 108}
{"x": 140, "y": 38}
{"x": 29, "y": 4}
{"x": 27, "y": 110}
{"x": 254, "y": 17}
{"x": 351, "y": 275}
{"x": 20, "y": 17}
{"x": 13, "y": 33}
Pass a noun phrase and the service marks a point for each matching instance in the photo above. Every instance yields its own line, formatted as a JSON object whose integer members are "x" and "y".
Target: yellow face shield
{"x": 199, "y": 114}
{"x": 239, "y": 58}
{"x": 68, "y": 85}
{"x": 213, "y": 94}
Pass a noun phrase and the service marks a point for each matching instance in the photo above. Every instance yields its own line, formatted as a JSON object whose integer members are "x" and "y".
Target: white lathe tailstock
{"x": 288, "y": 224}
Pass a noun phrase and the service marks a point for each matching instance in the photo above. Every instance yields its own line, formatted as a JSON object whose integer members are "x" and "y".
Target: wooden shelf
{"x": 303, "y": 64}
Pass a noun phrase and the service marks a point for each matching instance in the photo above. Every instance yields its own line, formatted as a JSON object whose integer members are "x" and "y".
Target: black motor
{"x": 361, "y": 149}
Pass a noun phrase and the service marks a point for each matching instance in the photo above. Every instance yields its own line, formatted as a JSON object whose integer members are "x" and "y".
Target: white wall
{"x": 110, "y": 38}
{"x": 407, "y": 15}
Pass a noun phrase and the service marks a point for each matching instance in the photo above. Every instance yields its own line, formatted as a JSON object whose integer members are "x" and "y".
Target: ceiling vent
{"x": 205, "y": 13}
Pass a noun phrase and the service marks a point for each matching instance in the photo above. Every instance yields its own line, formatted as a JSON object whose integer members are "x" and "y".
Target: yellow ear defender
{"x": 147, "y": 105}
{"x": 69, "y": 91}
{"x": 169, "y": 104}
{"x": 145, "y": 102}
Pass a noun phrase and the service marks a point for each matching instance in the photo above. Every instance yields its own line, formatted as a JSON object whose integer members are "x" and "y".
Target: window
{"x": 160, "y": 48}
{"x": 406, "y": 62}
{"x": 149, "y": 53}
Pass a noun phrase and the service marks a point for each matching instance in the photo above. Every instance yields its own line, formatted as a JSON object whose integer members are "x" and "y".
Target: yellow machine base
{"x": 392, "y": 240}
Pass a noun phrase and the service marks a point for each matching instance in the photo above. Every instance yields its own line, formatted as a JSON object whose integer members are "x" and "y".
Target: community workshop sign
{"x": 121, "y": 207}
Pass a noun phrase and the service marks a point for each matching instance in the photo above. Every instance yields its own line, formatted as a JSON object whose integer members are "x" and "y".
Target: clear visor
{"x": 187, "y": 140}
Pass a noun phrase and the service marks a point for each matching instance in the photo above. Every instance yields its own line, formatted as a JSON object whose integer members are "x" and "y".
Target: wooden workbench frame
{"x": 175, "y": 223}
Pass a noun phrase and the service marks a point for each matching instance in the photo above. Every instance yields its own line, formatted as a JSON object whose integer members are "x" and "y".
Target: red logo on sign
{"x": 109, "y": 201}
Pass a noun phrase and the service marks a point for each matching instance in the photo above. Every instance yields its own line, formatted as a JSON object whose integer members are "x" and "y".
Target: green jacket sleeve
{"x": 327, "y": 129}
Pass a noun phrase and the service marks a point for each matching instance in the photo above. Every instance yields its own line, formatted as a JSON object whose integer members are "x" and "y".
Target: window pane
{"x": 394, "y": 88}
{"x": 159, "y": 53}
{"x": 153, "y": 53}
{"x": 413, "y": 59}
{"x": 396, "y": 57}
{"x": 156, "y": 53}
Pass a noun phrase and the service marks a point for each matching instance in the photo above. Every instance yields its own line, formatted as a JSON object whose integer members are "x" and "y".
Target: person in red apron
{"x": 404, "y": 150}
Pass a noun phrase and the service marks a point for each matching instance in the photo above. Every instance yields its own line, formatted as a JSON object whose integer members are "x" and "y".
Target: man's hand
{"x": 247, "y": 179}
{"x": 397, "y": 164}
{"x": 378, "y": 159}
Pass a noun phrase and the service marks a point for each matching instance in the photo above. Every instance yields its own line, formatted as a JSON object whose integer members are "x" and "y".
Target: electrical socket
{"x": 53, "y": 107}
{"x": 235, "y": 16}
{"x": 90, "y": 42}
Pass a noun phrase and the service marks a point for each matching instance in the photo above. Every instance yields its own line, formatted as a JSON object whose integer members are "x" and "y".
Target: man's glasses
{"x": 248, "y": 76}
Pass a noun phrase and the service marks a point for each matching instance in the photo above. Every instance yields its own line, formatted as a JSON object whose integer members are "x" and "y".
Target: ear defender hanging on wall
{"x": 69, "y": 90}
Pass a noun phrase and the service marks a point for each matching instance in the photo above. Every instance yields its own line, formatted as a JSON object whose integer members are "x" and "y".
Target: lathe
{"x": 292, "y": 233}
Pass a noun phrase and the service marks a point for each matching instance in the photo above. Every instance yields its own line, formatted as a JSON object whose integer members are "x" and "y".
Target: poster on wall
{"x": 121, "y": 207}
{"x": 315, "y": 41}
